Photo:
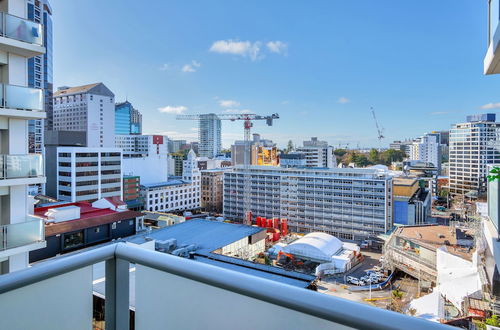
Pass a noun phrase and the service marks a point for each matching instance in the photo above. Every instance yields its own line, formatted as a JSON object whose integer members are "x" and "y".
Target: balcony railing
{"x": 19, "y": 97}
{"x": 174, "y": 293}
{"x": 21, "y": 166}
{"x": 21, "y": 234}
{"x": 21, "y": 29}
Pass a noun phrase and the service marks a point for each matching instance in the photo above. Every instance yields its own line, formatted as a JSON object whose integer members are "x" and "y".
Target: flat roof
{"x": 434, "y": 236}
{"x": 404, "y": 181}
{"x": 175, "y": 182}
{"x": 206, "y": 234}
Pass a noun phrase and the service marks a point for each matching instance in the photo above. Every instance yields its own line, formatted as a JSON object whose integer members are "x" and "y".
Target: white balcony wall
{"x": 194, "y": 305}
{"x": 59, "y": 303}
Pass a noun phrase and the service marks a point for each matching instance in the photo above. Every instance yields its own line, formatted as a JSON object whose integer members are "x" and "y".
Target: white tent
{"x": 318, "y": 246}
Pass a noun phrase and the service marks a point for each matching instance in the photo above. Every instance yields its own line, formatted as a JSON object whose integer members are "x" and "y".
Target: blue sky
{"x": 320, "y": 64}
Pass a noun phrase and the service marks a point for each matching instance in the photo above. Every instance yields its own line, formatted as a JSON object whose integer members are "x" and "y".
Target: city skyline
{"x": 225, "y": 60}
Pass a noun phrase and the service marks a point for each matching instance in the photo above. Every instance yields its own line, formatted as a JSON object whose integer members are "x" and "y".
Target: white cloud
{"x": 238, "y": 111}
{"x": 437, "y": 113}
{"x": 165, "y": 67}
{"x": 229, "y": 103}
{"x": 278, "y": 47}
{"x": 235, "y": 47}
{"x": 343, "y": 100}
{"x": 490, "y": 106}
{"x": 173, "y": 109}
{"x": 191, "y": 67}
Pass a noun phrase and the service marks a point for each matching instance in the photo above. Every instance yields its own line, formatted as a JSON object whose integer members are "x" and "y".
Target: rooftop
{"x": 173, "y": 182}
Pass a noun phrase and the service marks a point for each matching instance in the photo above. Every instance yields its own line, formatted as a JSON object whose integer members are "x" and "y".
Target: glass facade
{"x": 127, "y": 119}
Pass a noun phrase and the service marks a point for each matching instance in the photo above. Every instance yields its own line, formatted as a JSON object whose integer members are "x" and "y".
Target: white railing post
{"x": 116, "y": 310}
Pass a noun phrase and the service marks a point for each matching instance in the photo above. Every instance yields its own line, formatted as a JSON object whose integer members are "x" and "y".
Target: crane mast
{"x": 247, "y": 119}
{"x": 380, "y": 130}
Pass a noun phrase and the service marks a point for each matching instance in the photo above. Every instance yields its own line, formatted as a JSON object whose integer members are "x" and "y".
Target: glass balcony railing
{"x": 19, "y": 97}
{"x": 21, "y": 166}
{"x": 20, "y": 234}
{"x": 21, "y": 29}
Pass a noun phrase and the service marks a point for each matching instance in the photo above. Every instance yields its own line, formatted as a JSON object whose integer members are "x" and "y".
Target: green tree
{"x": 373, "y": 156}
{"x": 339, "y": 152}
{"x": 289, "y": 147}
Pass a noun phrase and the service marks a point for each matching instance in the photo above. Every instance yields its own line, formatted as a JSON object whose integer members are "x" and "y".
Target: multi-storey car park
{"x": 347, "y": 203}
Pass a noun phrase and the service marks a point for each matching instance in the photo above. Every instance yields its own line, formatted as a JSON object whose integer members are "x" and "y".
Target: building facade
{"x": 176, "y": 194}
{"x": 209, "y": 134}
{"x": 427, "y": 149}
{"x": 318, "y": 156}
{"x": 347, "y": 203}
{"x": 132, "y": 192}
{"x": 128, "y": 120}
{"x": 22, "y": 40}
{"x": 473, "y": 145}
{"x": 412, "y": 201}
{"x": 212, "y": 190}
{"x": 88, "y": 174}
{"x": 293, "y": 159}
{"x": 88, "y": 108}
{"x": 40, "y": 73}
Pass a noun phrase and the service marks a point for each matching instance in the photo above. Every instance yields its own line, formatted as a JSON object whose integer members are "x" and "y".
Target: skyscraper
{"x": 128, "y": 120}
{"x": 427, "y": 148}
{"x": 209, "y": 135}
{"x": 20, "y": 103}
{"x": 473, "y": 145}
{"x": 40, "y": 73}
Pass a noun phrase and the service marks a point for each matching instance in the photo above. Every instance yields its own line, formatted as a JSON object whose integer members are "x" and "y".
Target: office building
{"x": 177, "y": 193}
{"x": 212, "y": 189}
{"x": 346, "y": 203}
{"x": 128, "y": 120}
{"x": 412, "y": 201}
{"x": 262, "y": 152}
{"x": 88, "y": 174}
{"x": 318, "y": 153}
{"x": 175, "y": 164}
{"x": 175, "y": 145}
{"x": 88, "y": 108}
{"x": 473, "y": 146}
{"x": 20, "y": 41}
{"x": 427, "y": 149}
{"x": 40, "y": 73}
{"x": 209, "y": 134}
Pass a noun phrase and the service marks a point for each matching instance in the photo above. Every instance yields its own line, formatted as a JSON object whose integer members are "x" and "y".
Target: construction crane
{"x": 380, "y": 130}
{"x": 247, "y": 119}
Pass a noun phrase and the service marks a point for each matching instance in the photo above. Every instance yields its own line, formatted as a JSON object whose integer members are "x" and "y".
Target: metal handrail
{"x": 118, "y": 255}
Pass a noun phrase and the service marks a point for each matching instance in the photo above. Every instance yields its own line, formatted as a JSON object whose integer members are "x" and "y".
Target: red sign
{"x": 157, "y": 139}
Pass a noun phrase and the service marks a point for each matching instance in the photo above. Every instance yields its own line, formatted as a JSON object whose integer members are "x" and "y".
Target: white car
{"x": 377, "y": 268}
{"x": 352, "y": 280}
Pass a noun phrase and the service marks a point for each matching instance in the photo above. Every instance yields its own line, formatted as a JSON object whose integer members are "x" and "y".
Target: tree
{"x": 373, "y": 156}
{"x": 494, "y": 174}
{"x": 339, "y": 152}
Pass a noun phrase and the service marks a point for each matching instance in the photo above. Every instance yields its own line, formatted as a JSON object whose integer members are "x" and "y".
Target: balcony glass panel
{"x": 19, "y": 97}
{"x": 22, "y": 166}
{"x": 19, "y": 234}
{"x": 22, "y": 29}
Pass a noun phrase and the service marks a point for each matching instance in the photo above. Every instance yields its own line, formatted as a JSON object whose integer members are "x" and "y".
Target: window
{"x": 73, "y": 240}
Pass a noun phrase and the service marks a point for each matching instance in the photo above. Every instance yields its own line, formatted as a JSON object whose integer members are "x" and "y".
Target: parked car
{"x": 352, "y": 280}
{"x": 377, "y": 268}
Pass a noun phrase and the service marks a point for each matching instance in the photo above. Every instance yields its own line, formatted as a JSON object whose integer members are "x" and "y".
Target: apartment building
{"x": 128, "y": 120}
{"x": 473, "y": 145}
{"x": 292, "y": 159}
{"x": 132, "y": 192}
{"x": 177, "y": 193}
{"x": 209, "y": 134}
{"x": 212, "y": 189}
{"x": 20, "y": 40}
{"x": 40, "y": 73}
{"x": 347, "y": 203}
{"x": 427, "y": 149}
{"x": 88, "y": 108}
{"x": 318, "y": 153}
{"x": 88, "y": 174}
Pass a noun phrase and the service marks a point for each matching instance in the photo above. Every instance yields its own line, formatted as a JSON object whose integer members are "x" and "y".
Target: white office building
{"x": 88, "y": 108}
{"x": 346, "y": 203}
{"x": 145, "y": 156}
{"x": 88, "y": 174}
{"x": 473, "y": 145}
{"x": 20, "y": 39}
{"x": 427, "y": 149}
{"x": 209, "y": 134}
{"x": 176, "y": 194}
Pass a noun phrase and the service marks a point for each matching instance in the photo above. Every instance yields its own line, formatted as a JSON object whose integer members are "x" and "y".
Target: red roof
{"x": 89, "y": 217}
